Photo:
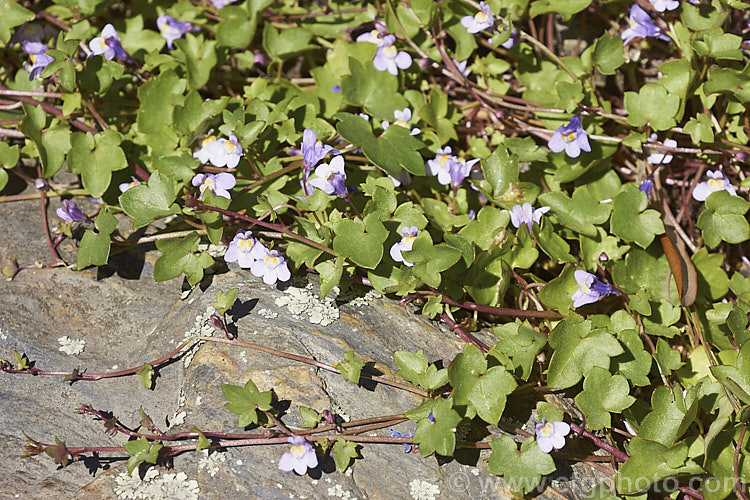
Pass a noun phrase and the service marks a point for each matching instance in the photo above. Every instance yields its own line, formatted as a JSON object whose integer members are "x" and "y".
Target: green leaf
{"x": 671, "y": 415}
{"x": 667, "y": 358}
{"x": 375, "y": 91}
{"x": 189, "y": 118}
{"x": 147, "y": 202}
{"x": 578, "y": 213}
{"x": 11, "y": 15}
{"x": 565, "y": 8}
{"x": 654, "y": 105}
{"x": 521, "y": 343}
{"x": 608, "y": 54}
{"x": 94, "y": 247}
{"x": 95, "y": 158}
{"x": 330, "y": 272}
{"x": 52, "y": 142}
{"x": 500, "y": 169}
{"x": 147, "y": 376}
{"x": 343, "y": 453}
{"x": 200, "y": 58}
{"x": 416, "y": 369}
{"x": 577, "y": 349}
{"x": 178, "y": 257}
{"x": 724, "y": 219}
{"x": 488, "y": 396}
{"x": 700, "y": 129}
{"x": 351, "y": 367}
{"x": 225, "y": 300}
{"x": 603, "y": 393}
{"x": 8, "y": 155}
{"x": 141, "y": 450}
{"x": 236, "y": 28}
{"x": 736, "y": 379}
{"x": 650, "y": 462}
{"x": 310, "y": 417}
{"x": 289, "y": 42}
{"x": 630, "y": 219}
{"x": 158, "y": 98}
{"x": 361, "y": 242}
{"x": 439, "y": 436}
{"x": 635, "y": 362}
{"x": 489, "y": 222}
{"x": 522, "y": 469}
{"x": 244, "y": 401}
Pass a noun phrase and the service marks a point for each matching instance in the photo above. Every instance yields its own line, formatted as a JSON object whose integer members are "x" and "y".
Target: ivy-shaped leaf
{"x": 351, "y": 367}
{"x": 522, "y": 469}
{"x": 603, "y": 393}
{"x": 631, "y": 221}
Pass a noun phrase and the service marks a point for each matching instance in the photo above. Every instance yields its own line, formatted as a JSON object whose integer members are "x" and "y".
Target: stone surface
{"x": 126, "y": 319}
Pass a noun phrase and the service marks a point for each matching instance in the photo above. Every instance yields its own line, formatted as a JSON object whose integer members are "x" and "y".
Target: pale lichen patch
{"x": 422, "y": 490}
{"x": 155, "y": 486}
{"x": 303, "y": 302}
{"x": 71, "y": 347}
{"x": 212, "y": 462}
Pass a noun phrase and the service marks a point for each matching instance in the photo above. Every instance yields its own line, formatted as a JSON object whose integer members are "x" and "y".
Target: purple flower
{"x": 218, "y": 4}
{"x": 661, "y": 158}
{"x": 551, "y": 435}
{"x": 218, "y": 184}
{"x": 108, "y": 45}
{"x": 224, "y": 152}
{"x": 407, "y": 446}
{"x": 244, "y": 250}
{"x": 314, "y": 150}
{"x": 590, "y": 289}
{"x": 525, "y": 214}
{"x": 459, "y": 169}
{"x": 330, "y": 177}
{"x": 431, "y": 417}
{"x": 647, "y": 186}
{"x": 127, "y": 185}
{"x": 70, "y": 212}
{"x": 39, "y": 60}
{"x": 641, "y": 26}
{"x": 376, "y": 36}
{"x": 440, "y": 166}
{"x": 409, "y": 234}
{"x": 388, "y": 58}
{"x": 172, "y": 29}
{"x": 300, "y": 458}
{"x": 336, "y": 88}
{"x": 271, "y": 266}
{"x": 571, "y": 138}
{"x": 716, "y": 182}
{"x": 33, "y": 33}
{"x": 479, "y": 21}
{"x": 664, "y": 5}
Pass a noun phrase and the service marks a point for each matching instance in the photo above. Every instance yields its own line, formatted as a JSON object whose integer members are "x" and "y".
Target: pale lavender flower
{"x": 459, "y": 170}
{"x": 172, "y": 29}
{"x": 407, "y": 446}
{"x": 641, "y": 26}
{"x": 203, "y": 153}
{"x": 108, "y": 45}
{"x": 461, "y": 67}
{"x": 647, "y": 186}
{"x": 376, "y": 35}
{"x": 314, "y": 150}
{"x": 244, "y": 250}
{"x": 510, "y": 42}
{"x": 218, "y": 184}
{"x": 664, "y": 5}
{"x": 660, "y": 158}
{"x": 127, "y": 185}
{"x": 271, "y": 266}
{"x": 440, "y": 166}
{"x": 218, "y": 4}
{"x": 388, "y": 58}
{"x": 261, "y": 59}
{"x": 409, "y": 234}
{"x": 225, "y": 152}
{"x": 431, "y": 417}
{"x": 70, "y": 212}
{"x": 551, "y": 435}
{"x": 403, "y": 116}
{"x": 525, "y": 214}
{"x": 590, "y": 289}
{"x": 330, "y": 177}
{"x": 300, "y": 458}
{"x": 336, "y": 88}
{"x": 716, "y": 182}
{"x": 571, "y": 138}
{"x": 479, "y": 21}
{"x": 39, "y": 60}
